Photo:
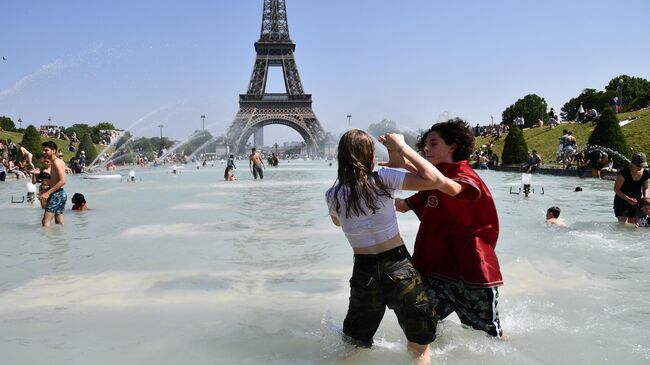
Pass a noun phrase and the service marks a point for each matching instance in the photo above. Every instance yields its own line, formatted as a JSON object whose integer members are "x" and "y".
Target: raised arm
{"x": 401, "y": 206}
{"x": 426, "y": 176}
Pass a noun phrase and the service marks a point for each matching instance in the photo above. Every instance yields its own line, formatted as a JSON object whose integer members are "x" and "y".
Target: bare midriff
{"x": 389, "y": 244}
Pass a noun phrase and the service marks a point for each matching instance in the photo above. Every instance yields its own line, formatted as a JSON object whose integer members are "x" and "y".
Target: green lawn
{"x": 545, "y": 140}
{"x": 61, "y": 144}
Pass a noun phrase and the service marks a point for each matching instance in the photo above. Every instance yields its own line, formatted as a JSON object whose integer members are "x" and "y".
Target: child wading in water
{"x": 459, "y": 227}
{"x": 79, "y": 202}
{"x": 361, "y": 203}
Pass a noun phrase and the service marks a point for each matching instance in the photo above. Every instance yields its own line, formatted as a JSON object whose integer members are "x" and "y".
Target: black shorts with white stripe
{"x": 476, "y": 307}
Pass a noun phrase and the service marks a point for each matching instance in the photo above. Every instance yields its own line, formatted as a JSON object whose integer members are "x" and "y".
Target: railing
{"x": 274, "y": 97}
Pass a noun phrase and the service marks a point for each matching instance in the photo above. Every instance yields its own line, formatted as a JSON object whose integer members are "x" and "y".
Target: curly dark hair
{"x": 454, "y": 131}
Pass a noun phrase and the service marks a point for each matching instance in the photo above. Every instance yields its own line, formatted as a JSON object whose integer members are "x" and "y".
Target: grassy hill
{"x": 61, "y": 144}
{"x": 545, "y": 140}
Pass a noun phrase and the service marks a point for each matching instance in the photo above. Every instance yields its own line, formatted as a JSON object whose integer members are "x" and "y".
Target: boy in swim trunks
{"x": 55, "y": 196}
{"x": 256, "y": 164}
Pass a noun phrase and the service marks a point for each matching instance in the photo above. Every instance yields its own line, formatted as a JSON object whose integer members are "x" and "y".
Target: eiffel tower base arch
{"x": 249, "y": 120}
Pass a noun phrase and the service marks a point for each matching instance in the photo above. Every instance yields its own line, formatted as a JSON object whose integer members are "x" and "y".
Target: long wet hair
{"x": 356, "y": 154}
{"x": 225, "y": 173}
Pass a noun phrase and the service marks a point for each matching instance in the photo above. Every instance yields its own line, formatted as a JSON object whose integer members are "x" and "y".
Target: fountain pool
{"x": 187, "y": 268}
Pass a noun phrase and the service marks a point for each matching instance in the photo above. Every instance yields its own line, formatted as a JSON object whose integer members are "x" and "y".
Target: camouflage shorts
{"x": 387, "y": 280}
{"x": 476, "y": 307}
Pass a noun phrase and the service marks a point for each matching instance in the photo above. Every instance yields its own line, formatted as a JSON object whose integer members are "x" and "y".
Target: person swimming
{"x": 553, "y": 217}
{"x": 79, "y": 202}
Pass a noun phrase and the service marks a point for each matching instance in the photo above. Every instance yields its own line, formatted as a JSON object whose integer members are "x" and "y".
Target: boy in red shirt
{"x": 454, "y": 247}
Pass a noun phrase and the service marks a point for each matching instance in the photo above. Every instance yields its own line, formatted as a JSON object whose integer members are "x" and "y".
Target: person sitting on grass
{"x": 553, "y": 217}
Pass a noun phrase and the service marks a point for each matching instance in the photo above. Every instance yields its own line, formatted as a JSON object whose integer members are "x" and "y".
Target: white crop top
{"x": 369, "y": 230}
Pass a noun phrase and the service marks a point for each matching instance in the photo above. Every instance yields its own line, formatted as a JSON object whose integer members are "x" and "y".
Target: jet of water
{"x": 591, "y": 148}
{"x": 176, "y": 146}
{"x": 145, "y": 117}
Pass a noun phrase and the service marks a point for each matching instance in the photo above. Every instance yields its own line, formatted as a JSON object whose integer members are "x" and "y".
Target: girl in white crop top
{"x": 361, "y": 203}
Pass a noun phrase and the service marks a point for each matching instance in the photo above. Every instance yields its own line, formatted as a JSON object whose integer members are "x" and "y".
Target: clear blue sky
{"x": 415, "y": 61}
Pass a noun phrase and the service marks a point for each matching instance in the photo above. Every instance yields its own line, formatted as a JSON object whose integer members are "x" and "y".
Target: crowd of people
{"x": 53, "y": 131}
{"x": 16, "y": 160}
{"x": 50, "y": 178}
{"x": 494, "y": 130}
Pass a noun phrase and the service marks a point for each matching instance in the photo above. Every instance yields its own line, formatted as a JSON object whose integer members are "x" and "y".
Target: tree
{"x": 80, "y": 130}
{"x": 389, "y": 126}
{"x": 197, "y": 140}
{"x": 105, "y": 126}
{"x": 634, "y": 91}
{"x": 142, "y": 146}
{"x": 532, "y": 107}
{"x": 383, "y": 127}
{"x": 6, "y": 124}
{"x": 159, "y": 143}
{"x": 515, "y": 149}
{"x": 590, "y": 99}
{"x": 88, "y": 147}
{"x": 609, "y": 134}
{"x": 32, "y": 140}
{"x": 124, "y": 139}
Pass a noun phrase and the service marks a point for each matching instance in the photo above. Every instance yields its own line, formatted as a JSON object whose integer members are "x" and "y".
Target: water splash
{"x": 145, "y": 117}
{"x": 180, "y": 144}
{"x": 211, "y": 140}
{"x": 381, "y": 153}
{"x": 610, "y": 152}
{"x": 45, "y": 70}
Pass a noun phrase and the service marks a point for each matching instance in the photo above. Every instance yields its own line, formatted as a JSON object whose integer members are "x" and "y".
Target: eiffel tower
{"x": 257, "y": 108}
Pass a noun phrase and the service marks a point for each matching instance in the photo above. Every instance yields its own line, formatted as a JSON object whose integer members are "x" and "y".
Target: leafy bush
{"x": 89, "y": 148}
{"x": 32, "y": 141}
{"x": 515, "y": 149}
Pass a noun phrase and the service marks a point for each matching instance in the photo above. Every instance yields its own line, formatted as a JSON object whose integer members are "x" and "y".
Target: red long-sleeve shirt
{"x": 458, "y": 235}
